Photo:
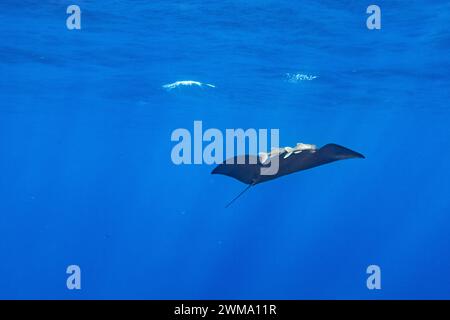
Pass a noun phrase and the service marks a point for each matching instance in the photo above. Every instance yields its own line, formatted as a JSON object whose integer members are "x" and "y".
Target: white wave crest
{"x": 294, "y": 78}
{"x": 177, "y": 84}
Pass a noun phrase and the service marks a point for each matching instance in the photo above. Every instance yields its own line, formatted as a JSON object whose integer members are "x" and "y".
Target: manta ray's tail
{"x": 240, "y": 194}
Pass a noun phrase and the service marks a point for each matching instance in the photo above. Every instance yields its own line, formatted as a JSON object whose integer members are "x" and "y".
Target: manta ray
{"x": 248, "y": 168}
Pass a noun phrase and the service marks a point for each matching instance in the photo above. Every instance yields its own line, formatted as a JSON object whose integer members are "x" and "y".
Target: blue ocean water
{"x": 86, "y": 176}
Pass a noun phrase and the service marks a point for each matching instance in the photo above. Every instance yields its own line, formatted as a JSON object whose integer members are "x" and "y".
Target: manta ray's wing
{"x": 336, "y": 152}
{"x": 311, "y": 158}
{"x": 244, "y": 168}
{"x": 247, "y": 168}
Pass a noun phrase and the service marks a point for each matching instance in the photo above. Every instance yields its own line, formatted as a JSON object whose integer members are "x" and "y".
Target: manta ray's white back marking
{"x": 177, "y": 84}
{"x": 264, "y": 157}
{"x": 300, "y": 147}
